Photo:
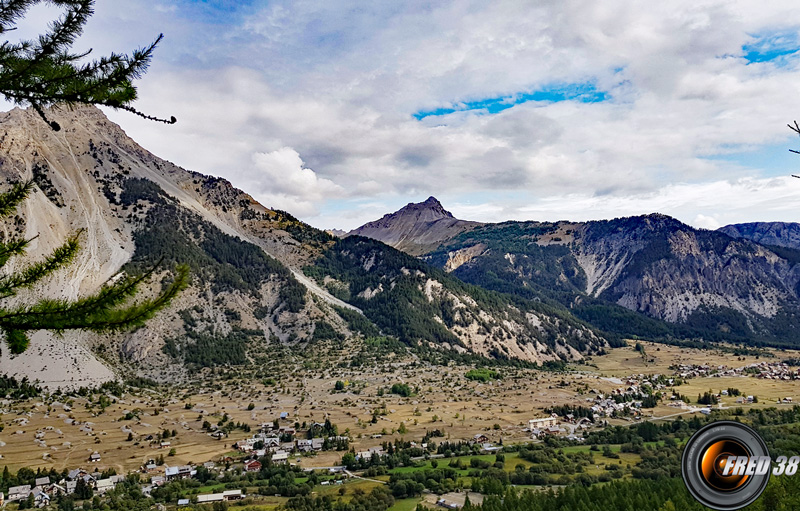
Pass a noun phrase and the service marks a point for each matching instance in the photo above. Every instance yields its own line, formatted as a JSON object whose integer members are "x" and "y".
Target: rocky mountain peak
{"x": 428, "y": 211}
{"x": 416, "y": 227}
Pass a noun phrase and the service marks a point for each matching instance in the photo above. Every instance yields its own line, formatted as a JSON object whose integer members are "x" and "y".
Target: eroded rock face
{"x": 668, "y": 270}
{"x": 458, "y": 257}
{"x": 781, "y": 234}
{"x": 80, "y": 174}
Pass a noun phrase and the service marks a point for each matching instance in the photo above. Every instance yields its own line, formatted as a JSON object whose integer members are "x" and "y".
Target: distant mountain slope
{"x": 417, "y": 303}
{"x": 416, "y": 228}
{"x": 781, "y": 234}
{"x": 685, "y": 282}
{"x": 654, "y": 264}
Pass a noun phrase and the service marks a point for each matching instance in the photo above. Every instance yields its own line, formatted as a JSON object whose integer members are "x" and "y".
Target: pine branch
{"x": 60, "y": 257}
{"x": 13, "y": 248}
{"x": 46, "y": 72}
{"x": 17, "y": 341}
{"x": 11, "y": 199}
{"x": 171, "y": 120}
{"x": 59, "y": 316}
{"x": 106, "y": 298}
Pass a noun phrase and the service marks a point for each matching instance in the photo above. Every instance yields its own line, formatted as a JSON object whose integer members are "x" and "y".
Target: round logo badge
{"x": 726, "y": 465}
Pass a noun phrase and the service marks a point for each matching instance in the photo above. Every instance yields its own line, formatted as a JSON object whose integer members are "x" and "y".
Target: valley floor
{"x": 61, "y": 432}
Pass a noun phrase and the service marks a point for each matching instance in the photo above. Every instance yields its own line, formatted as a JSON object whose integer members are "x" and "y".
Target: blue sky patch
{"x": 772, "y": 47}
{"x": 770, "y": 159}
{"x": 584, "y": 92}
{"x": 217, "y": 12}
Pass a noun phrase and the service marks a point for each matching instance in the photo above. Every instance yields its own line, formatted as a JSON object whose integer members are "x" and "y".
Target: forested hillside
{"x": 407, "y": 298}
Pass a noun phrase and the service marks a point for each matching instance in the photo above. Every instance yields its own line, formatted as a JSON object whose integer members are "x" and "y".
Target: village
{"x": 309, "y": 424}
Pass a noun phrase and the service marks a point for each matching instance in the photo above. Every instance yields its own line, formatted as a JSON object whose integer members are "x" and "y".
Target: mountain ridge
{"x": 255, "y": 269}
{"x": 781, "y": 234}
{"x": 707, "y": 283}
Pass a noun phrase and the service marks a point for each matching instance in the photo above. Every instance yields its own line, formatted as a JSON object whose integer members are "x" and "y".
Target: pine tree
{"x": 46, "y": 71}
{"x": 110, "y": 309}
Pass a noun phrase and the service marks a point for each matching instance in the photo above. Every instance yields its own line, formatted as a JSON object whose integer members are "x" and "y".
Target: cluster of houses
{"x": 551, "y": 426}
{"x": 43, "y": 489}
{"x": 279, "y": 441}
{"x": 766, "y": 370}
{"x": 605, "y": 406}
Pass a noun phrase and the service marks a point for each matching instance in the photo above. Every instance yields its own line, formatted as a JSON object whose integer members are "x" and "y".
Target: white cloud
{"x": 332, "y": 86}
{"x": 706, "y": 222}
{"x": 283, "y": 181}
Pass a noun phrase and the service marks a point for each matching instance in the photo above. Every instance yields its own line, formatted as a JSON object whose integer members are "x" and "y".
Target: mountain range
{"x": 650, "y": 276}
{"x": 512, "y": 292}
{"x": 260, "y": 277}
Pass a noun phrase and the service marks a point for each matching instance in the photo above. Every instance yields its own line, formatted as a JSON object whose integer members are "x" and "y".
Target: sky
{"x": 341, "y": 112}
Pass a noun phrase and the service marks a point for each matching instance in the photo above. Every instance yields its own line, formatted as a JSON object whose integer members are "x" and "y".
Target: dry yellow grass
{"x": 459, "y": 406}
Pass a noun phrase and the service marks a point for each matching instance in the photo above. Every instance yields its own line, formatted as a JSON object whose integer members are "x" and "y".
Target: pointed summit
{"x": 428, "y": 211}
{"x": 416, "y": 228}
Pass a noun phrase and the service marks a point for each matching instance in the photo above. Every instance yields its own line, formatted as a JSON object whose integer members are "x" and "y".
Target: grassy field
{"x": 45, "y": 433}
{"x": 405, "y": 504}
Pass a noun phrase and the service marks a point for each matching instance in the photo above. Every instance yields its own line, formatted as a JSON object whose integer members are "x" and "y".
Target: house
{"x": 447, "y": 505}
{"x": 209, "y": 497}
{"x": 542, "y": 423}
{"x": 55, "y": 489}
{"x": 284, "y": 415}
{"x": 252, "y": 466}
{"x": 304, "y": 445}
{"x": 40, "y": 498}
{"x": 489, "y": 448}
{"x": 317, "y": 443}
{"x": 94, "y": 457}
{"x": 158, "y": 481}
{"x": 280, "y": 457}
{"x": 368, "y": 454}
{"x": 19, "y": 492}
{"x": 71, "y": 487}
{"x": 182, "y": 472}
{"x": 232, "y": 495}
{"x": 105, "y": 485}
{"x": 220, "y": 497}
{"x": 480, "y": 438}
{"x": 165, "y": 445}
{"x": 183, "y": 502}
{"x": 42, "y": 482}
